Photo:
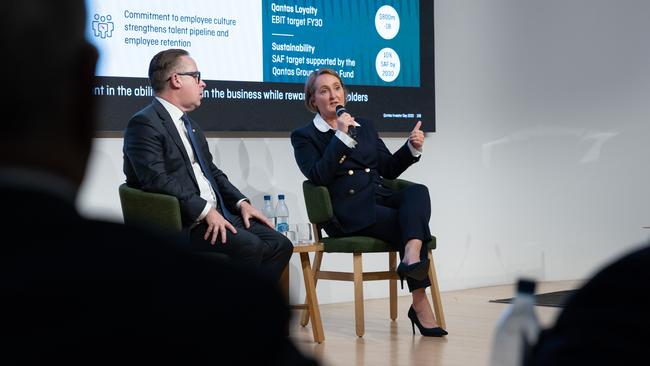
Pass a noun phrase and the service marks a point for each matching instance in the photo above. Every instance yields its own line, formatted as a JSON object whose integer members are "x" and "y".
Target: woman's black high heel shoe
{"x": 427, "y": 332}
{"x": 417, "y": 271}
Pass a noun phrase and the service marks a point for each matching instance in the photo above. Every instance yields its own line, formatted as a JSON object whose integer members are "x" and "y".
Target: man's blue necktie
{"x": 207, "y": 172}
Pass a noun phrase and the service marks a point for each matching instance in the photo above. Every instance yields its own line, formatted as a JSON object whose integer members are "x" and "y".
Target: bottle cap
{"x": 267, "y": 197}
{"x": 525, "y": 285}
{"x": 280, "y": 196}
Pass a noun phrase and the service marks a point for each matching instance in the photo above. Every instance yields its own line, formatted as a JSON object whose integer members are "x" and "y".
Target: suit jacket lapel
{"x": 364, "y": 151}
{"x": 355, "y": 155}
{"x": 166, "y": 121}
{"x": 323, "y": 138}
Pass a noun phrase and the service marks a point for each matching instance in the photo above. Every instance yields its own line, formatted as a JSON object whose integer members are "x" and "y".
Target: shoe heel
{"x": 401, "y": 272}
{"x": 412, "y": 326}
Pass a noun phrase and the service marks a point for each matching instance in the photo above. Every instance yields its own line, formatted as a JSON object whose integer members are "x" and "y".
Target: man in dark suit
{"x": 606, "y": 321}
{"x": 166, "y": 152}
{"x": 75, "y": 291}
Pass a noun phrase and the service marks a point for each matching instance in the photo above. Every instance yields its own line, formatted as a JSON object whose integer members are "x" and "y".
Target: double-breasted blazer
{"x": 353, "y": 176}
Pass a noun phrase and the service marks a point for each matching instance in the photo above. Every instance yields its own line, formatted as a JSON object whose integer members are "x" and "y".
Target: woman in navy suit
{"x": 347, "y": 156}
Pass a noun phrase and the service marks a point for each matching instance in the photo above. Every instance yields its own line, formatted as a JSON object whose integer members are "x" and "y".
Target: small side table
{"x": 310, "y": 288}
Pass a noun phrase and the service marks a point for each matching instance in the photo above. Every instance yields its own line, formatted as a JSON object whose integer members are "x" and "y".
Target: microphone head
{"x": 340, "y": 110}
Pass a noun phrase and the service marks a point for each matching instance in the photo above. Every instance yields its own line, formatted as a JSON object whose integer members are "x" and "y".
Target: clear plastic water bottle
{"x": 517, "y": 329}
{"x": 268, "y": 209}
{"x": 281, "y": 215}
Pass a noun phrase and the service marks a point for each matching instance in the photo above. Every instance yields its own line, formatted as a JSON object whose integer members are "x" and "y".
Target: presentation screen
{"x": 255, "y": 55}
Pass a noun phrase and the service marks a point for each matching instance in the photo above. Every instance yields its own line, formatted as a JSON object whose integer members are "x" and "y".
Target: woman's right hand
{"x": 344, "y": 121}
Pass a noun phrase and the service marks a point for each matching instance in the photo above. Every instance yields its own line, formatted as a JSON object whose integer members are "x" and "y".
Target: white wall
{"x": 540, "y": 163}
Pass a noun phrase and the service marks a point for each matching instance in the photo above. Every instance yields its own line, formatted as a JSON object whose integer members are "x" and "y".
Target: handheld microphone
{"x": 340, "y": 110}
{"x": 352, "y": 132}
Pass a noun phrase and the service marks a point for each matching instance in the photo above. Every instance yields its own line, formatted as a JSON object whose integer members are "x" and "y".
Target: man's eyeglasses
{"x": 195, "y": 74}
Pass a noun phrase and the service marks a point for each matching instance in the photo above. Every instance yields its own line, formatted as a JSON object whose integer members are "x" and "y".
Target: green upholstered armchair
{"x": 155, "y": 211}
{"x": 319, "y": 210}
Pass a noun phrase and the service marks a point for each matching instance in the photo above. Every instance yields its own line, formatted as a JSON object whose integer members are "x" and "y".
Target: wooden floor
{"x": 470, "y": 322}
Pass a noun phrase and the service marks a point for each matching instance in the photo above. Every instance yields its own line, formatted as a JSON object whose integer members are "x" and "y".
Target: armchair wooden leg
{"x": 312, "y": 301}
{"x": 284, "y": 283}
{"x": 318, "y": 258}
{"x": 392, "y": 285}
{"x": 358, "y": 295}
{"x": 435, "y": 294}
